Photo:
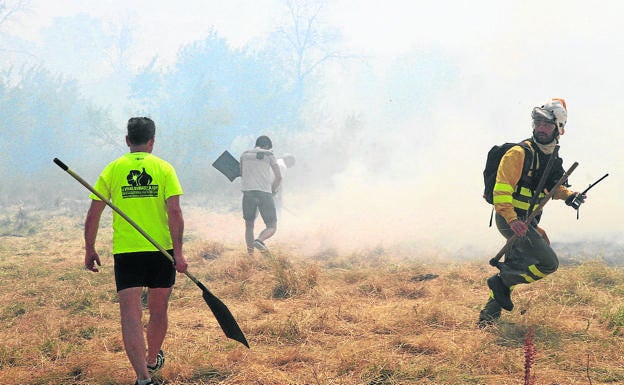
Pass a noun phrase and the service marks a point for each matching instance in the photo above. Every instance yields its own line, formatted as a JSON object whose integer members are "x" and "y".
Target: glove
{"x": 518, "y": 227}
{"x": 576, "y": 200}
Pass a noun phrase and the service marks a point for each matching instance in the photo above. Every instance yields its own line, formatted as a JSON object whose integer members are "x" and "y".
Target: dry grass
{"x": 369, "y": 317}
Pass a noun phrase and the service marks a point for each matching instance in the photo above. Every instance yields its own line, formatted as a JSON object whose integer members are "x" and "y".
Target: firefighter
{"x": 530, "y": 257}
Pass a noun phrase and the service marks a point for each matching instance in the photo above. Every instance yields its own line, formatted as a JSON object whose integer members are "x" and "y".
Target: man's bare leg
{"x": 157, "y": 303}
{"x": 131, "y": 311}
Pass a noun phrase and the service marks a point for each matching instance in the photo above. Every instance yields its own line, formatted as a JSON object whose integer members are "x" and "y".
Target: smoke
{"x": 395, "y": 140}
{"x": 412, "y": 175}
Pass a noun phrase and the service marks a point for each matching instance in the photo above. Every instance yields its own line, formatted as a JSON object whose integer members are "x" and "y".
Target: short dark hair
{"x": 140, "y": 130}
{"x": 264, "y": 142}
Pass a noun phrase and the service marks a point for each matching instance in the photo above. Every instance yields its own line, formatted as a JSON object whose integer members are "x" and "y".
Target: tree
{"x": 45, "y": 117}
{"x": 304, "y": 44}
{"x": 9, "y": 9}
{"x": 11, "y": 48}
{"x": 212, "y": 95}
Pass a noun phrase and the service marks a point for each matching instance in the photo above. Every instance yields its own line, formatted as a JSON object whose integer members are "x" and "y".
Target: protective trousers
{"x": 529, "y": 259}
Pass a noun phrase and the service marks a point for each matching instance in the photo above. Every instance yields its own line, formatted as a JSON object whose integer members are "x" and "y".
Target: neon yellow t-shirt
{"x": 139, "y": 184}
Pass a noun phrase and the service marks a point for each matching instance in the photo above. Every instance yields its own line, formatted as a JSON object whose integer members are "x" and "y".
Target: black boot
{"x": 490, "y": 314}
{"x": 502, "y": 294}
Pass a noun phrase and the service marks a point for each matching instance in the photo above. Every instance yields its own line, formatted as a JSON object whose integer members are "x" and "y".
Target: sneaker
{"x": 502, "y": 294}
{"x": 160, "y": 362}
{"x": 258, "y": 244}
{"x": 490, "y": 314}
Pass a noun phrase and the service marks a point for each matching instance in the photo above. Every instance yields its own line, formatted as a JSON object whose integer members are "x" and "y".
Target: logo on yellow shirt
{"x": 139, "y": 185}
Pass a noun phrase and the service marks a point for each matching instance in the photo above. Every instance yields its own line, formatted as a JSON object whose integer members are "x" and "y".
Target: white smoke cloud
{"x": 434, "y": 85}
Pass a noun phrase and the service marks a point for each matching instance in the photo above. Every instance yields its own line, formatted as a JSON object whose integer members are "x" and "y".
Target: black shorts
{"x": 144, "y": 268}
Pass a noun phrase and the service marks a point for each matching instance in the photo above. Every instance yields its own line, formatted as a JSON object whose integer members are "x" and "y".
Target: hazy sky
{"x": 369, "y": 26}
{"x": 506, "y": 57}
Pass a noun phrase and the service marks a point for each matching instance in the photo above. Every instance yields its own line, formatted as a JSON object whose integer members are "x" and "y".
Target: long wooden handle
{"x": 510, "y": 241}
{"x": 219, "y": 309}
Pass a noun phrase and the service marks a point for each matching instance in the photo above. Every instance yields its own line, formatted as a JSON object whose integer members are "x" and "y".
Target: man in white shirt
{"x": 260, "y": 180}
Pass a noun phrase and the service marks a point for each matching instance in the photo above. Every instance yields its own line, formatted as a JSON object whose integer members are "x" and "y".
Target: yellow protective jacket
{"x": 513, "y": 190}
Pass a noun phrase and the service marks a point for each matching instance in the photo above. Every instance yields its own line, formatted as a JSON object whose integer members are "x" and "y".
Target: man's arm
{"x": 507, "y": 177}
{"x": 176, "y": 229}
{"x": 92, "y": 224}
{"x": 278, "y": 177}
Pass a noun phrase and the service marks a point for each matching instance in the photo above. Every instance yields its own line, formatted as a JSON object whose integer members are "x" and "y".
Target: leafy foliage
{"x": 44, "y": 116}
{"x": 212, "y": 95}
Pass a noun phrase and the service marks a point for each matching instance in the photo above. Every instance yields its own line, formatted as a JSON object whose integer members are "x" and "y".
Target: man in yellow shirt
{"x": 530, "y": 257}
{"x": 146, "y": 188}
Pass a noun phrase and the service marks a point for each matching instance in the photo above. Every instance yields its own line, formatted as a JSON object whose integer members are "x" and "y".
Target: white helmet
{"x": 555, "y": 112}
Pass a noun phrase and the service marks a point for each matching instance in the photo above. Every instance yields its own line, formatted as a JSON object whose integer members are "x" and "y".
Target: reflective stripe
{"x": 528, "y": 193}
{"x": 503, "y": 187}
{"x": 502, "y": 199}
{"x": 527, "y": 278}
{"x": 522, "y": 200}
{"x": 521, "y": 205}
{"x": 502, "y": 193}
{"x": 533, "y": 269}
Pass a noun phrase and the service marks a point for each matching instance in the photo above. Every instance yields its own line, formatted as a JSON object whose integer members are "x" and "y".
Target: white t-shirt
{"x": 256, "y": 170}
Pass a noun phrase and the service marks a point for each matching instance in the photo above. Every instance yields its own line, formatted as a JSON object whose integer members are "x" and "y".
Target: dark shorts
{"x": 144, "y": 269}
{"x": 254, "y": 201}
